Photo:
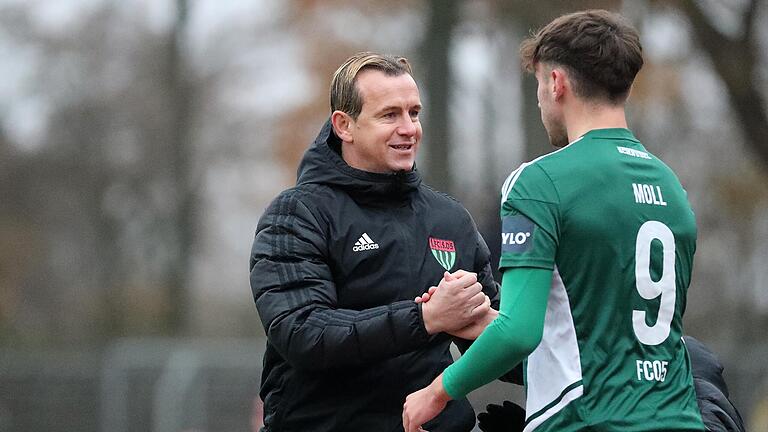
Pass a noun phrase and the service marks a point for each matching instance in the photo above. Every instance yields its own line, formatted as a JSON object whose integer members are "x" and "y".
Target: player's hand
{"x": 456, "y": 303}
{"x": 424, "y": 405}
{"x": 508, "y": 417}
{"x": 448, "y": 277}
{"x": 472, "y": 331}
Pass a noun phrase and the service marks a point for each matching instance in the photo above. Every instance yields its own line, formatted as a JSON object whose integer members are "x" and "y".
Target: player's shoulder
{"x": 533, "y": 178}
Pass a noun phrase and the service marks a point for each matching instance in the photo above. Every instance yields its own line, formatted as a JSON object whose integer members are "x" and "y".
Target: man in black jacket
{"x": 717, "y": 411}
{"x": 338, "y": 260}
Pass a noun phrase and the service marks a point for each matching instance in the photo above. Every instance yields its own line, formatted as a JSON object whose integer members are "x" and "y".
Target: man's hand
{"x": 472, "y": 331}
{"x": 447, "y": 277}
{"x": 424, "y": 405}
{"x": 426, "y": 296}
{"x": 457, "y": 302}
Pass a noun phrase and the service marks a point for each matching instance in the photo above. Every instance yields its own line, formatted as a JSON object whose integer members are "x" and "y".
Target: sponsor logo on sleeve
{"x": 516, "y": 234}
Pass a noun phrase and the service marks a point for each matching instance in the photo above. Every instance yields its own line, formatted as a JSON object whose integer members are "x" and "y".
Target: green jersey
{"x": 615, "y": 225}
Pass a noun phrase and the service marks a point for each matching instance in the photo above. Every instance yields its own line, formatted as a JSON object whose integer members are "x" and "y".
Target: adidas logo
{"x": 364, "y": 243}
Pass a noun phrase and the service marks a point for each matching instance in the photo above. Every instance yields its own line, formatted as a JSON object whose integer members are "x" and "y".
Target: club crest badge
{"x": 444, "y": 252}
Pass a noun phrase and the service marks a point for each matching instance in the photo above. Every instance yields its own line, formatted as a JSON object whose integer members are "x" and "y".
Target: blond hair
{"x": 345, "y": 96}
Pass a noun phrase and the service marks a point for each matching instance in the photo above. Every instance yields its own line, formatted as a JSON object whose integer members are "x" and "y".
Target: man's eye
{"x": 389, "y": 115}
{"x": 415, "y": 114}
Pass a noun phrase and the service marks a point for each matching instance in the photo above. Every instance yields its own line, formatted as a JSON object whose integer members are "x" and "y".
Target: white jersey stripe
{"x": 367, "y": 239}
{"x": 505, "y": 186}
{"x": 556, "y": 363}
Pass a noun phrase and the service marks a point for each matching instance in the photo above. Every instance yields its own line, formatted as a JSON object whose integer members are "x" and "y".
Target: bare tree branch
{"x": 734, "y": 60}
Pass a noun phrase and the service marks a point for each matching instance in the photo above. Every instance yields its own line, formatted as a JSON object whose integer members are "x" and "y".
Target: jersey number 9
{"x": 648, "y": 289}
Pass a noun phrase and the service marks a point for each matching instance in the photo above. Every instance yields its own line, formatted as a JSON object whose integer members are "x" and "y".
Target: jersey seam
{"x": 552, "y": 182}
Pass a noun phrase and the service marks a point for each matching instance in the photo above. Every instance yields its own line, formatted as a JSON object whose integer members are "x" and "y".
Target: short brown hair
{"x": 345, "y": 96}
{"x": 600, "y": 49}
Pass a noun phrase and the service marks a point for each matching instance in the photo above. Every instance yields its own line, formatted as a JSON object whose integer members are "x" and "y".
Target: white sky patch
{"x": 471, "y": 59}
{"x": 391, "y": 32}
{"x": 665, "y": 37}
{"x": 269, "y": 80}
{"x": 26, "y": 123}
{"x": 59, "y": 17}
{"x": 725, "y": 15}
{"x": 703, "y": 91}
{"x": 471, "y": 62}
{"x": 210, "y": 17}
{"x": 24, "y": 61}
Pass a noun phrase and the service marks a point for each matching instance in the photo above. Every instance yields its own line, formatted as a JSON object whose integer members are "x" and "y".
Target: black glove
{"x": 509, "y": 417}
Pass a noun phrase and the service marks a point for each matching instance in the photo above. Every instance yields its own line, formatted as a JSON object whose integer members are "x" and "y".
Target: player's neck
{"x": 584, "y": 117}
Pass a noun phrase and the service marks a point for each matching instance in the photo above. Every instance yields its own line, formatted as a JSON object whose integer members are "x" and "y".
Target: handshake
{"x": 457, "y": 305}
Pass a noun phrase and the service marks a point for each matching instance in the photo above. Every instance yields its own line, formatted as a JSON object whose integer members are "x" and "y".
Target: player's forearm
{"x": 497, "y": 351}
{"x": 510, "y": 338}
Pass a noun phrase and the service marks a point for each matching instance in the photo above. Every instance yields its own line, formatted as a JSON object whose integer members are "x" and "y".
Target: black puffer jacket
{"x": 335, "y": 265}
{"x": 717, "y": 411}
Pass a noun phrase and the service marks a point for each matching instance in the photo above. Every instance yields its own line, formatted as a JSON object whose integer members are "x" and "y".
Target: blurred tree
{"x": 18, "y": 240}
{"x": 735, "y": 59}
{"x": 51, "y": 200}
{"x": 324, "y": 53}
{"x": 182, "y": 224}
{"x": 442, "y": 18}
{"x": 104, "y": 208}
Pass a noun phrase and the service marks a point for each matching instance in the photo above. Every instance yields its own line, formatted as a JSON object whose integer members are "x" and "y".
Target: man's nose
{"x": 407, "y": 126}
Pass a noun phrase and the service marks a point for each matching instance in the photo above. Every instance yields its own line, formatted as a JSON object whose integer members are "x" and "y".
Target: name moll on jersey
{"x": 648, "y": 194}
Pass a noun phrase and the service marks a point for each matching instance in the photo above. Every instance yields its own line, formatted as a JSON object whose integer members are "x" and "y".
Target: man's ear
{"x": 559, "y": 82}
{"x": 342, "y": 125}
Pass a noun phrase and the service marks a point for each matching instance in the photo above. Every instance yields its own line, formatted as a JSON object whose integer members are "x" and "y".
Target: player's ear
{"x": 342, "y": 125}
{"x": 559, "y": 82}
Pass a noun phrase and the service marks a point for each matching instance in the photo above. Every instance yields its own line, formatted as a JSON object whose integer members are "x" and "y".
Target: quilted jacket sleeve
{"x": 484, "y": 271}
{"x": 296, "y": 298}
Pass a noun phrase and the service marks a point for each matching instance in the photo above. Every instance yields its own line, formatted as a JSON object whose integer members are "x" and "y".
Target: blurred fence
{"x": 148, "y": 385}
{"x": 157, "y": 385}
{"x": 172, "y": 385}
